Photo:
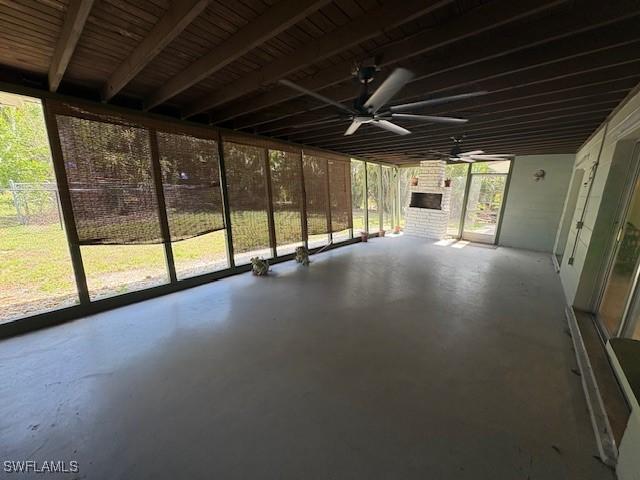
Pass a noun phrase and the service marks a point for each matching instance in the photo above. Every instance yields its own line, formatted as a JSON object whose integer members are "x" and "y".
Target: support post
{"x": 65, "y": 201}
{"x": 347, "y": 168}
{"x": 366, "y": 197}
{"x": 162, "y": 207}
{"x": 272, "y": 227}
{"x": 225, "y": 202}
{"x": 16, "y": 202}
{"x": 380, "y": 200}
{"x": 329, "y": 226}
{"x": 303, "y": 220}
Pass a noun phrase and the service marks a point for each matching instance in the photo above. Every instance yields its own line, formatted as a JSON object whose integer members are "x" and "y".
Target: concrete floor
{"x": 395, "y": 359}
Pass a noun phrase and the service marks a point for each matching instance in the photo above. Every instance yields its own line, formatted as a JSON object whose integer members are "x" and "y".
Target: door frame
{"x": 465, "y": 200}
{"x": 463, "y": 209}
{"x": 614, "y": 248}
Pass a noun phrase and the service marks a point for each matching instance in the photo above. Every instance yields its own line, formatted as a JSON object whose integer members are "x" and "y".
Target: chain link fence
{"x": 30, "y": 204}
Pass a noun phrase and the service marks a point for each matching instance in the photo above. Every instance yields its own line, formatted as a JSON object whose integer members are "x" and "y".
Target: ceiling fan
{"x": 368, "y": 108}
{"x": 457, "y": 155}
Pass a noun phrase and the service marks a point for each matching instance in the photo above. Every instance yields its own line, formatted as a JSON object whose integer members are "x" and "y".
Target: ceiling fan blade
{"x": 473, "y": 152}
{"x": 355, "y": 125}
{"x": 497, "y": 155}
{"x": 429, "y": 118}
{"x": 436, "y": 101}
{"x": 392, "y": 127}
{"x": 391, "y": 85}
{"x": 315, "y": 95}
{"x": 485, "y": 158}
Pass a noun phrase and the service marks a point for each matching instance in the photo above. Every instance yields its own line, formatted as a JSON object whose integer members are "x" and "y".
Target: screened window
{"x": 248, "y": 201}
{"x": 191, "y": 185}
{"x": 340, "y": 198}
{"x": 36, "y": 273}
{"x": 109, "y": 172}
{"x": 388, "y": 192}
{"x": 286, "y": 193}
{"x": 404, "y": 186}
{"x": 458, "y": 174}
{"x": 358, "y": 195}
{"x": 317, "y": 196}
{"x": 373, "y": 197}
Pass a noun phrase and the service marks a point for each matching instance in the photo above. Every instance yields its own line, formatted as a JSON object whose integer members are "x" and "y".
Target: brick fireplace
{"x": 428, "y": 222}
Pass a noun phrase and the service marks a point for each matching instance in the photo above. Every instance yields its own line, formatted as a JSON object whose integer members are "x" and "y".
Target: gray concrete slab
{"x": 394, "y": 359}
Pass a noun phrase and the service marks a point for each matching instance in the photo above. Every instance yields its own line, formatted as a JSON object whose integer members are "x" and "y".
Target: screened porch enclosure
{"x": 133, "y": 205}
{"x": 125, "y": 204}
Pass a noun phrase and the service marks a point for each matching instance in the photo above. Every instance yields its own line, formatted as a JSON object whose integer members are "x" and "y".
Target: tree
{"x": 24, "y": 147}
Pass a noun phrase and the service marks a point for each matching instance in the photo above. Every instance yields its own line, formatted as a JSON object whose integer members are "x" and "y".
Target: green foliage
{"x": 24, "y": 147}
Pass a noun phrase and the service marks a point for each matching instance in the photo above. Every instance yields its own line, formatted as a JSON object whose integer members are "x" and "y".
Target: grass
{"x": 37, "y": 274}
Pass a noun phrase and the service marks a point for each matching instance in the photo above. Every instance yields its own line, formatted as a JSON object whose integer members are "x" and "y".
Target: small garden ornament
{"x": 302, "y": 256}
{"x": 259, "y": 266}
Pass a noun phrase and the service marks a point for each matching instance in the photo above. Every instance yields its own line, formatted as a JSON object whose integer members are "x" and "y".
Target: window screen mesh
{"x": 108, "y": 168}
{"x": 246, "y": 186}
{"x": 191, "y": 183}
{"x": 315, "y": 186}
{"x": 340, "y": 195}
{"x": 388, "y": 191}
{"x": 373, "y": 197}
{"x": 286, "y": 193}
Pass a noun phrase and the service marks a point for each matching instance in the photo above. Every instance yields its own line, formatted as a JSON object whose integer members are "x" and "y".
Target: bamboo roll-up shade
{"x": 340, "y": 195}
{"x": 259, "y": 142}
{"x": 286, "y": 195}
{"x": 191, "y": 184}
{"x": 110, "y": 177}
{"x": 108, "y": 158}
{"x": 245, "y": 167}
{"x": 317, "y": 196}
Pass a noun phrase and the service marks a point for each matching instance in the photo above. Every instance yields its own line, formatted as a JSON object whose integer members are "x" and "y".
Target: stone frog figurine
{"x": 259, "y": 266}
{"x": 302, "y": 256}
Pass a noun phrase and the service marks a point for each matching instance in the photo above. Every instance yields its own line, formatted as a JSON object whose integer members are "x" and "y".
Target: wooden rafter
{"x": 75, "y": 18}
{"x": 372, "y": 24}
{"x": 179, "y": 15}
{"x": 570, "y": 58}
{"x": 465, "y": 61}
{"x": 274, "y": 21}
{"x": 479, "y": 20}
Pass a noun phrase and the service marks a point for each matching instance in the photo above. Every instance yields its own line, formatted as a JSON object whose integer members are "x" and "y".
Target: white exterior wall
{"x": 533, "y": 208}
{"x": 589, "y": 245}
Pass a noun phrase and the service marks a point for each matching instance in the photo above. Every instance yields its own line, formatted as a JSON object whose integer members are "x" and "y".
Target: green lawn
{"x": 36, "y": 272}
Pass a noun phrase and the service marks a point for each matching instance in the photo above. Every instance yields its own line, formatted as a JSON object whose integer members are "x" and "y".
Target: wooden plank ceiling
{"x": 554, "y": 69}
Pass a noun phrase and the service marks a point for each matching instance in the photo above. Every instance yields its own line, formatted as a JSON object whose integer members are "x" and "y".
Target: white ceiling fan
{"x": 457, "y": 155}
{"x": 368, "y": 108}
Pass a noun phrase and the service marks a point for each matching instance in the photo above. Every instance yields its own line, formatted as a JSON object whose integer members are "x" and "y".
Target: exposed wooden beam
{"x": 179, "y": 15}
{"x": 530, "y": 119}
{"x": 478, "y": 20}
{"x": 369, "y": 25}
{"x": 487, "y": 132}
{"x": 562, "y": 101}
{"x": 275, "y": 20}
{"x": 544, "y": 93}
{"x": 74, "y": 20}
{"x": 584, "y": 15}
{"x": 556, "y": 55}
{"x": 576, "y": 68}
{"x": 429, "y": 144}
{"x": 501, "y": 147}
